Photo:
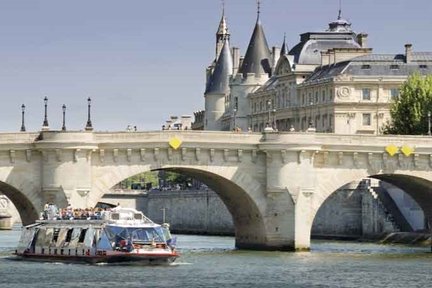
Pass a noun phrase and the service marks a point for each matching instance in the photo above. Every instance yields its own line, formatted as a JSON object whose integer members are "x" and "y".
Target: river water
{"x": 213, "y": 262}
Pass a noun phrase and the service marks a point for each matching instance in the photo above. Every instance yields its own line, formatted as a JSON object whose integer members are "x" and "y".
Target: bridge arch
{"x": 416, "y": 184}
{"x": 26, "y": 206}
{"x": 242, "y": 194}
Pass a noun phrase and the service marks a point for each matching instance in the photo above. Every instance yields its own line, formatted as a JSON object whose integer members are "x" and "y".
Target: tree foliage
{"x": 409, "y": 112}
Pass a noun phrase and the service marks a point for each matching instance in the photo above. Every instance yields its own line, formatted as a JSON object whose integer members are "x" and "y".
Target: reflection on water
{"x": 213, "y": 262}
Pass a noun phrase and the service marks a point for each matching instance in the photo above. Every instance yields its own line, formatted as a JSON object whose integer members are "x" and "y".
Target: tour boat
{"x": 119, "y": 235}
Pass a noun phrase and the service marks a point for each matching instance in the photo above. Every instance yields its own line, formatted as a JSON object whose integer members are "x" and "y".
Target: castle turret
{"x": 255, "y": 70}
{"x": 258, "y": 57}
{"x": 217, "y": 89}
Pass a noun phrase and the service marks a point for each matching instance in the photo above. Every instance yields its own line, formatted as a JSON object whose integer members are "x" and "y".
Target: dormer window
{"x": 394, "y": 67}
{"x": 366, "y": 67}
{"x": 423, "y": 66}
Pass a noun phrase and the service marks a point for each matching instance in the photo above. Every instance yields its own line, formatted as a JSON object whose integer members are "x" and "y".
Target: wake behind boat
{"x": 120, "y": 235}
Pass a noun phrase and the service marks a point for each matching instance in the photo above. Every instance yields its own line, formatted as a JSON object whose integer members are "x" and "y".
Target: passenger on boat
{"x": 50, "y": 212}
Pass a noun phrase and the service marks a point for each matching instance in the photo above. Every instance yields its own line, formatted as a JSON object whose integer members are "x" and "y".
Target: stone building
{"x": 329, "y": 82}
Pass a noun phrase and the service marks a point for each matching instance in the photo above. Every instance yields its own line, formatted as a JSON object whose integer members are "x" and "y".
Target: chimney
{"x": 236, "y": 59}
{"x": 408, "y": 53}
{"x": 241, "y": 61}
{"x": 275, "y": 55}
{"x": 362, "y": 40}
{"x": 325, "y": 58}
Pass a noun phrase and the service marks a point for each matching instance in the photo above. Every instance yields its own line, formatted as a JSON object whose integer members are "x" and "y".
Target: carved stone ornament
{"x": 344, "y": 92}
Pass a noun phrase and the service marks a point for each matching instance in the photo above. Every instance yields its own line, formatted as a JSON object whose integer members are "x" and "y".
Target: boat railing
{"x": 117, "y": 214}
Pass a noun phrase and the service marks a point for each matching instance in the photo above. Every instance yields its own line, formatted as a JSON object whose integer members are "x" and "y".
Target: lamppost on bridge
{"x": 23, "y": 129}
{"x": 311, "y": 125}
{"x": 269, "y": 103}
{"x": 429, "y": 123}
{"x": 45, "y": 125}
{"x": 235, "y": 112}
{"x": 64, "y": 117}
{"x": 269, "y": 126}
{"x": 89, "y": 126}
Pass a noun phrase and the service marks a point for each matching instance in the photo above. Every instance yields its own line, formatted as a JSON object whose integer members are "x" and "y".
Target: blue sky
{"x": 141, "y": 61}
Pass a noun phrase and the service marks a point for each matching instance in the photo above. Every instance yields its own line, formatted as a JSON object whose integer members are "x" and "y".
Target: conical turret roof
{"x": 219, "y": 80}
{"x": 258, "y": 57}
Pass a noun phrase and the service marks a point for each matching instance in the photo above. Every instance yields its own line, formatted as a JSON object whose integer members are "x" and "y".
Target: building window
{"x": 316, "y": 97}
{"x": 366, "y": 66}
{"x": 423, "y": 66}
{"x": 367, "y": 119}
{"x": 394, "y": 67}
{"x": 323, "y": 95}
{"x": 366, "y": 94}
{"x": 394, "y": 93}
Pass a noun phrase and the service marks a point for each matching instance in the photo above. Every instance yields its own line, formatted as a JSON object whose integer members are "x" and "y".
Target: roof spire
{"x": 340, "y": 25}
{"x": 258, "y": 7}
{"x": 284, "y": 49}
{"x": 223, "y": 32}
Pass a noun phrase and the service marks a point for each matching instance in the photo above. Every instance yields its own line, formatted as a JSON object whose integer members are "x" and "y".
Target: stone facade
{"x": 330, "y": 81}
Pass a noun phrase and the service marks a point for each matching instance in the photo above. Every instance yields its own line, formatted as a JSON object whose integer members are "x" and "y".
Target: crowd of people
{"x": 52, "y": 212}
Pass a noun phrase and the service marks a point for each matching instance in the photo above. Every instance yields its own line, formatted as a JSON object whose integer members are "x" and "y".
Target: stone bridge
{"x": 273, "y": 183}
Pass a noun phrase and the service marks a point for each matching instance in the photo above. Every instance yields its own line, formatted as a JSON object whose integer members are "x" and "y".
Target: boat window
{"x": 115, "y": 216}
{"x": 55, "y": 234}
{"x": 76, "y": 232}
{"x": 48, "y": 236}
{"x": 89, "y": 237}
{"x": 138, "y": 216}
{"x": 69, "y": 235}
{"x": 82, "y": 236}
{"x": 115, "y": 233}
{"x": 146, "y": 234}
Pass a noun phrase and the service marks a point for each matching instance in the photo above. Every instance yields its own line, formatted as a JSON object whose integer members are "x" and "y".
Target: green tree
{"x": 409, "y": 112}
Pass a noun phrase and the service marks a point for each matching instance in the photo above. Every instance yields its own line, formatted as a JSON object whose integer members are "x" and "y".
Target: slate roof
{"x": 308, "y": 51}
{"x": 376, "y": 65}
{"x": 338, "y": 35}
{"x": 219, "y": 81}
{"x": 258, "y": 57}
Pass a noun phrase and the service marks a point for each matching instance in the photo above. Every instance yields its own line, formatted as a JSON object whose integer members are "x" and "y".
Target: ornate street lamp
{"x": 269, "y": 103}
{"x": 235, "y": 111}
{"x": 234, "y": 118}
{"x": 45, "y": 125}
{"x": 23, "y": 129}
{"x": 89, "y": 126}
{"x": 311, "y": 125}
{"x": 64, "y": 117}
